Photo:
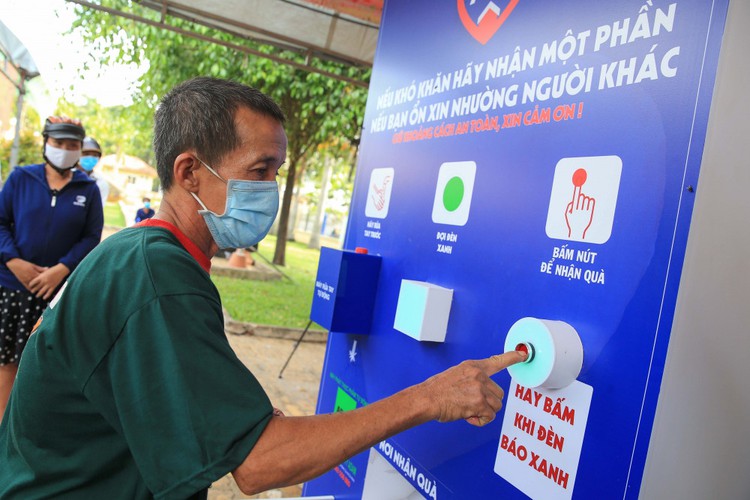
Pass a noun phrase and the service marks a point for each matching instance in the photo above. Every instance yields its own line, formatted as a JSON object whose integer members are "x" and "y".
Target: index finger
{"x": 499, "y": 362}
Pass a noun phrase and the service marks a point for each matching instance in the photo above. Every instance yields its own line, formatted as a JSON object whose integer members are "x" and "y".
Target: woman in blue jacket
{"x": 50, "y": 218}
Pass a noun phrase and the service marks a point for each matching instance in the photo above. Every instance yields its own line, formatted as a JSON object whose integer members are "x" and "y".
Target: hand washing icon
{"x": 379, "y": 193}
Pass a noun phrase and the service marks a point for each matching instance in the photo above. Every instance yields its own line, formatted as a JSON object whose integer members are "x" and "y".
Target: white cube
{"x": 423, "y": 310}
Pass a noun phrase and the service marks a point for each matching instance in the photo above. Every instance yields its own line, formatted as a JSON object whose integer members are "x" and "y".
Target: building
{"x": 132, "y": 177}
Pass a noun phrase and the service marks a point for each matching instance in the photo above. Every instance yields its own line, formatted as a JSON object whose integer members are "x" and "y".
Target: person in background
{"x": 90, "y": 155}
{"x": 50, "y": 219}
{"x": 146, "y": 212}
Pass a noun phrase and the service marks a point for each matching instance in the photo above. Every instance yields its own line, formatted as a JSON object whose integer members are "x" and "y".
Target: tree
{"x": 331, "y": 167}
{"x": 116, "y": 129}
{"x": 317, "y": 107}
{"x": 30, "y": 143}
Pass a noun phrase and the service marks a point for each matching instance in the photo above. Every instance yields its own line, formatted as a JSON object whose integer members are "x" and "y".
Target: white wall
{"x": 700, "y": 445}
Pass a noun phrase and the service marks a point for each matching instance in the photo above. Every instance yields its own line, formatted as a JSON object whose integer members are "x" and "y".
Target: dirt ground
{"x": 295, "y": 394}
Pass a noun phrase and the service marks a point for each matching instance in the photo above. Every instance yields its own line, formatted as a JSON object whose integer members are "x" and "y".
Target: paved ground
{"x": 295, "y": 394}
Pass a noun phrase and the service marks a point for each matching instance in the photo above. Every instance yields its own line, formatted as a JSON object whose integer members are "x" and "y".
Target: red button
{"x": 527, "y": 349}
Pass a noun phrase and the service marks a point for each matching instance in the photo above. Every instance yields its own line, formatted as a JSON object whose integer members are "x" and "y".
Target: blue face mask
{"x": 249, "y": 213}
{"x": 88, "y": 162}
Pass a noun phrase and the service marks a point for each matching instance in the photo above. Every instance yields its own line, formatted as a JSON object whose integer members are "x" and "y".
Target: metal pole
{"x": 299, "y": 341}
{"x": 273, "y": 265}
{"x": 19, "y": 110}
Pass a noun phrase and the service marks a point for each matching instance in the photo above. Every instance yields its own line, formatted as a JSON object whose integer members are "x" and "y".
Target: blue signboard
{"x": 539, "y": 159}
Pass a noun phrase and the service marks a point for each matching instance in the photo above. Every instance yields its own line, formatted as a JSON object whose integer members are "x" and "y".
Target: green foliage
{"x": 113, "y": 215}
{"x": 280, "y": 303}
{"x": 29, "y": 145}
{"x": 29, "y": 151}
{"x": 334, "y": 107}
{"x": 342, "y": 155}
{"x": 317, "y": 107}
{"x": 117, "y": 129}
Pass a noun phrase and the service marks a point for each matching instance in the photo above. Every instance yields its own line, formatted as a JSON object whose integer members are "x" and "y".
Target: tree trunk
{"x": 318, "y": 221}
{"x": 294, "y": 213}
{"x": 279, "y": 256}
{"x": 293, "y": 216}
{"x": 275, "y": 226}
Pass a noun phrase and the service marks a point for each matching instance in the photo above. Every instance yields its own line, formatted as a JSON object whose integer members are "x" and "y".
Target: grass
{"x": 281, "y": 302}
{"x": 113, "y": 216}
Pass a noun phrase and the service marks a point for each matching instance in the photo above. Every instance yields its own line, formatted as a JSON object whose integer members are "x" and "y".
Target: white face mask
{"x": 61, "y": 158}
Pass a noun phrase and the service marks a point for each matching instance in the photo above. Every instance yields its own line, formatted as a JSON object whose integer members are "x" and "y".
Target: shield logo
{"x": 483, "y": 18}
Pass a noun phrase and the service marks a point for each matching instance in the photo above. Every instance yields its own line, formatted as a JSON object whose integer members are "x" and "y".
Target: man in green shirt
{"x": 128, "y": 387}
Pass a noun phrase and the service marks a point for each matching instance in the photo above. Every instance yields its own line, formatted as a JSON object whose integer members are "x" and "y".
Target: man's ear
{"x": 184, "y": 169}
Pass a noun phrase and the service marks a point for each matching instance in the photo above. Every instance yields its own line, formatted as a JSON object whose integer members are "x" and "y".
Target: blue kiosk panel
{"x": 539, "y": 159}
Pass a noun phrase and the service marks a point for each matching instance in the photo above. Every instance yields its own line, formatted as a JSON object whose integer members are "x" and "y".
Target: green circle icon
{"x": 453, "y": 194}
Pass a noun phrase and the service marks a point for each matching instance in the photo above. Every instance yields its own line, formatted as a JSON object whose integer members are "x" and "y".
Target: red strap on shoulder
{"x": 191, "y": 247}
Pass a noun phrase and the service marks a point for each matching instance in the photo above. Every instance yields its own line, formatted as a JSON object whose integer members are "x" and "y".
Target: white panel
{"x": 700, "y": 445}
{"x": 383, "y": 482}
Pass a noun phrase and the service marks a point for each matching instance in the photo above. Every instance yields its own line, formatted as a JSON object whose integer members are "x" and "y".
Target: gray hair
{"x": 199, "y": 114}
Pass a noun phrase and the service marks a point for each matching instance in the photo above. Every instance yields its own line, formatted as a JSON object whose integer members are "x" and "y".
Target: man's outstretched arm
{"x": 292, "y": 450}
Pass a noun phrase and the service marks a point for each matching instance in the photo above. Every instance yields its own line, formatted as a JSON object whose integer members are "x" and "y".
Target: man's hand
{"x": 292, "y": 450}
{"x": 45, "y": 284}
{"x": 467, "y": 391}
{"x": 24, "y": 270}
